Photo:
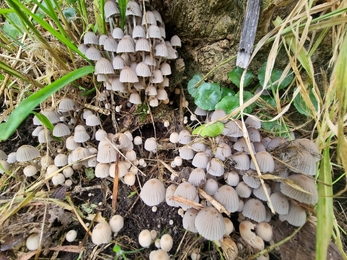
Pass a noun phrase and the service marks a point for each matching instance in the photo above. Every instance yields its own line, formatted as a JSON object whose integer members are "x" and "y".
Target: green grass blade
{"x": 122, "y": 9}
{"x": 24, "y": 12}
{"x": 325, "y": 212}
{"x": 13, "y": 72}
{"x": 25, "y": 107}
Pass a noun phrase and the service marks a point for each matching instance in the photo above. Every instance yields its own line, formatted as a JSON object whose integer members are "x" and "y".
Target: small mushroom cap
{"x": 251, "y": 181}
{"x": 102, "y": 170}
{"x": 200, "y": 160}
{"x": 150, "y": 144}
{"x": 265, "y": 162}
{"x": 145, "y": 238}
{"x": 33, "y": 241}
{"x": 243, "y": 190}
{"x": 60, "y": 130}
{"x": 215, "y": 167}
{"x": 228, "y": 197}
{"x": 280, "y": 203}
{"x": 175, "y": 41}
{"x": 242, "y": 161}
{"x": 153, "y": 192}
{"x": 159, "y": 255}
{"x": 27, "y": 153}
{"x": 229, "y": 226}
{"x": 264, "y": 230}
{"x": 255, "y": 210}
{"x": 128, "y": 75}
{"x": 106, "y": 152}
{"x": 246, "y": 230}
{"x": 304, "y": 182}
{"x": 211, "y": 186}
{"x": 101, "y": 233}
{"x": 223, "y": 151}
{"x": 187, "y": 191}
{"x": 93, "y": 54}
{"x": 232, "y": 178}
{"x": 170, "y": 191}
{"x": 260, "y": 193}
{"x": 29, "y": 170}
{"x": 90, "y": 38}
{"x": 296, "y": 215}
{"x": 253, "y": 121}
{"x": 58, "y": 179}
{"x": 166, "y": 242}
{"x": 92, "y": 120}
{"x": 184, "y": 137}
{"x": 241, "y": 145}
{"x": 103, "y": 66}
{"x": 66, "y": 104}
{"x": 186, "y": 153}
{"x": 116, "y": 223}
{"x": 233, "y": 129}
{"x": 210, "y": 224}
{"x": 71, "y": 235}
{"x": 189, "y": 220}
{"x": 197, "y": 177}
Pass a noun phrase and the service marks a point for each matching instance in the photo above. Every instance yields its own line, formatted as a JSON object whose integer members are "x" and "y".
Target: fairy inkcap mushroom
{"x": 186, "y": 153}
{"x": 159, "y": 255}
{"x": 211, "y": 186}
{"x": 150, "y": 144}
{"x": 255, "y": 210}
{"x": 29, "y": 170}
{"x": 304, "y": 182}
{"x": 103, "y": 66}
{"x": 145, "y": 238}
{"x": 232, "y": 178}
{"x": 241, "y": 160}
{"x": 223, "y": 151}
{"x": 166, "y": 242}
{"x": 187, "y": 191}
{"x": 215, "y": 167}
{"x": 170, "y": 191}
{"x": 280, "y": 203}
{"x": 27, "y": 153}
{"x": 251, "y": 181}
{"x": 264, "y": 230}
{"x": 71, "y": 235}
{"x": 61, "y": 130}
{"x": 296, "y": 215}
{"x": 106, "y": 152}
{"x": 229, "y": 226}
{"x": 184, "y": 137}
{"x": 228, "y": 197}
{"x": 153, "y": 192}
{"x": 197, "y": 177}
{"x": 243, "y": 190}
{"x": 101, "y": 233}
{"x": 265, "y": 162}
{"x": 189, "y": 220}
{"x": 210, "y": 223}
{"x": 200, "y": 160}
{"x": 33, "y": 242}
{"x": 260, "y": 193}
{"x": 116, "y": 223}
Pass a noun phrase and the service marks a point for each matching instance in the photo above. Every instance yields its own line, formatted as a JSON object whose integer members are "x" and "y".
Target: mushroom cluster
{"x": 134, "y": 61}
{"x": 225, "y": 170}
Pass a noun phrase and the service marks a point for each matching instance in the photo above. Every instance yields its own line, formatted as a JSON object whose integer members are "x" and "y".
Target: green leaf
{"x": 227, "y": 92}
{"x": 235, "y": 76}
{"x": 209, "y": 130}
{"x": 301, "y": 106}
{"x": 208, "y": 96}
{"x": 70, "y": 14}
{"x": 44, "y": 120}
{"x": 27, "y": 105}
{"x": 122, "y": 4}
{"x": 228, "y": 104}
{"x": 246, "y": 96}
{"x": 275, "y": 76}
{"x": 270, "y": 100}
{"x": 13, "y": 25}
{"x": 192, "y": 90}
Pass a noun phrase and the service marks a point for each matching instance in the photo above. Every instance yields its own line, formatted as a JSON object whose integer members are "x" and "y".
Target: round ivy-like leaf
{"x": 208, "y": 96}
{"x": 209, "y": 130}
{"x": 275, "y": 76}
{"x": 227, "y": 92}
{"x": 236, "y": 74}
{"x": 192, "y": 89}
{"x": 228, "y": 103}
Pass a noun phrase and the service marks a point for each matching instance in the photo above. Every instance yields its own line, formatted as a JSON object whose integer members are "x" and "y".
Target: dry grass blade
{"x": 213, "y": 202}
{"x": 193, "y": 204}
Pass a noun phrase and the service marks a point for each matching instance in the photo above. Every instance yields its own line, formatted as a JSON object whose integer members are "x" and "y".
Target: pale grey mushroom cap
{"x": 233, "y": 129}
{"x": 61, "y": 130}
{"x": 116, "y": 223}
{"x": 254, "y": 134}
{"x": 241, "y": 160}
{"x": 243, "y": 190}
{"x": 255, "y": 210}
{"x": 264, "y": 230}
{"x": 80, "y": 134}
{"x": 184, "y": 137}
{"x": 29, "y": 170}
{"x": 296, "y": 215}
{"x": 200, "y": 160}
{"x": 260, "y": 193}
{"x": 241, "y": 146}
{"x": 103, "y": 66}
{"x": 251, "y": 181}
{"x": 117, "y": 33}
{"x": 66, "y": 104}
{"x": 304, "y": 182}
{"x": 210, "y": 224}
{"x": 60, "y": 160}
{"x": 153, "y": 192}
{"x": 187, "y": 191}
{"x": 102, "y": 170}
{"x": 106, "y": 152}
{"x": 101, "y": 233}
{"x": 197, "y": 177}
{"x": 280, "y": 203}
{"x": 27, "y": 153}
{"x": 186, "y": 153}
{"x": 253, "y": 121}
{"x": 232, "y": 178}
{"x": 223, "y": 151}
{"x": 150, "y": 144}
{"x": 90, "y": 38}
{"x": 170, "y": 191}
{"x": 228, "y": 197}
{"x": 215, "y": 167}
{"x": 189, "y": 220}
{"x": 93, "y": 54}
{"x": 211, "y": 186}
{"x": 92, "y": 120}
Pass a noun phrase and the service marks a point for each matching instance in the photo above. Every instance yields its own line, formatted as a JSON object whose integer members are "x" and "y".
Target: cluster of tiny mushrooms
{"x": 228, "y": 171}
